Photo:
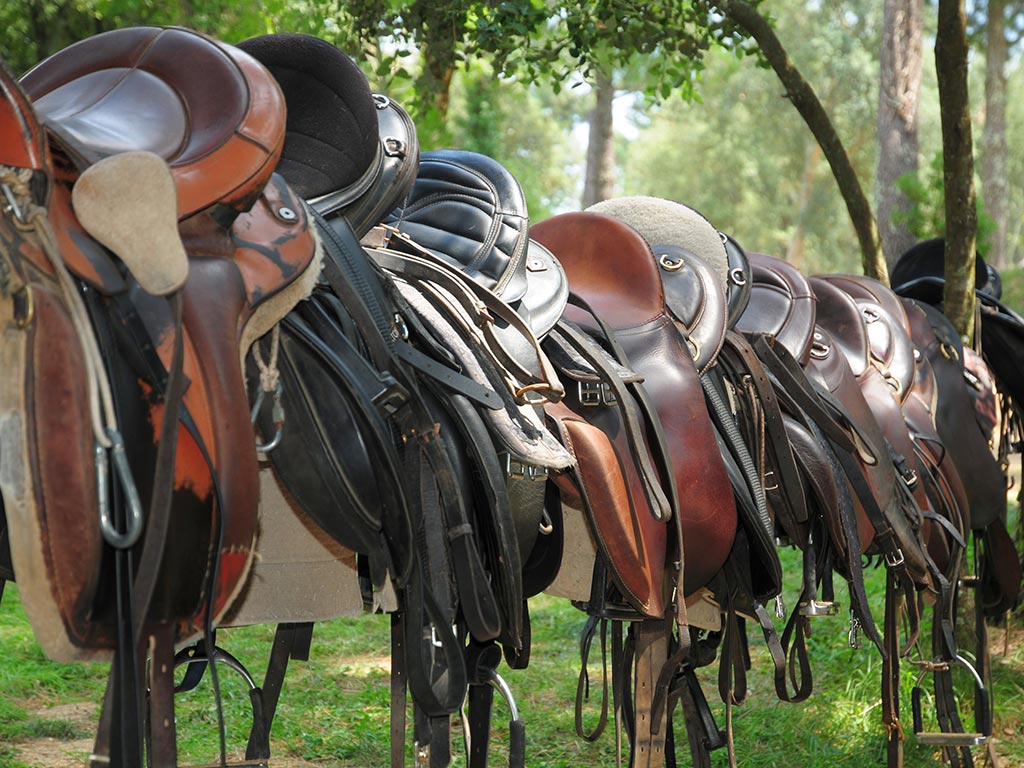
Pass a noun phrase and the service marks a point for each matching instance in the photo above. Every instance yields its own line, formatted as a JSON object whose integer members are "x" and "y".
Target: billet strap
{"x": 482, "y": 306}
{"x": 739, "y": 358}
{"x": 624, "y": 400}
{"x": 891, "y": 674}
{"x": 399, "y": 685}
{"x": 885, "y": 538}
{"x": 594, "y": 625}
{"x": 848, "y": 524}
{"x": 818, "y": 404}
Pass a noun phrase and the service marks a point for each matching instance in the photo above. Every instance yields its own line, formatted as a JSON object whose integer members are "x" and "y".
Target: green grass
{"x": 334, "y": 709}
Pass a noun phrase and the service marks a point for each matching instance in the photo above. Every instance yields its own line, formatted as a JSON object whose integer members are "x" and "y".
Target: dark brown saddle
{"x": 911, "y": 381}
{"x": 614, "y": 272}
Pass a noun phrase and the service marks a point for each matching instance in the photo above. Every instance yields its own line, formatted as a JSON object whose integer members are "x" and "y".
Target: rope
{"x": 270, "y": 375}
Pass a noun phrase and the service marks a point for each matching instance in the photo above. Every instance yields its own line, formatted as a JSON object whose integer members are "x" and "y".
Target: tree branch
{"x": 803, "y": 97}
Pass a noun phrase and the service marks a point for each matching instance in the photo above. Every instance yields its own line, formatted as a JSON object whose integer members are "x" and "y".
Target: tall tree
{"x": 1000, "y": 38}
{"x": 958, "y": 164}
{"x": 899, "y": 93}
{"x": 806, "y": 101}
{"x": 599, "y": 182}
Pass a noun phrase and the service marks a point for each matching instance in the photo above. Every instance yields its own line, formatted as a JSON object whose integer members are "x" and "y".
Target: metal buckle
{"x": 819, "y": 349}
{"x": 818, "y": 608}
{"x": 595, "y": 393}
{"x": 895, "y": 560}
{"x": 519, "y": 469}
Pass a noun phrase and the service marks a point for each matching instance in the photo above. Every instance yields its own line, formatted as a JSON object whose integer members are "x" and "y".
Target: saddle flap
{"x": 631, "y": 540}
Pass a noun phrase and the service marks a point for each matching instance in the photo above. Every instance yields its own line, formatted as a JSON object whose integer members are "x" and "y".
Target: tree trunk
{"x": 958, "y": 164}
{"x": 599, "y": 183}
{"x": 800, "y": 92}
{"x": 995, "y": 184}
{"x": 899, "y": 93}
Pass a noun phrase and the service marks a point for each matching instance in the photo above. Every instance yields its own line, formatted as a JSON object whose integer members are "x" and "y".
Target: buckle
{"x": 595, "y": 393}
{"x": 815, "y": 608}
{"x": 896, "y": 559}
{"x": 520, "y": 470}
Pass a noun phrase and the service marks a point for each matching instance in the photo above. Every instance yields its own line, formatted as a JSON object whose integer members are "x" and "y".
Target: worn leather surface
{"x": 210, "y": 110}
{"x": 611, "y": 267}
{"x": 630, "y": 538}
{"x": 781, "y": 303}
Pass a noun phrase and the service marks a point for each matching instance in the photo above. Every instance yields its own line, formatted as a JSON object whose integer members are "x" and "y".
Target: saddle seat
{"x": 210, "y": 110}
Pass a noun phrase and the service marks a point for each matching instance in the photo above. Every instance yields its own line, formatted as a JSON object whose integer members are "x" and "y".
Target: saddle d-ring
{"x": 670, "y": 264}
{"x": 133, "y": 523}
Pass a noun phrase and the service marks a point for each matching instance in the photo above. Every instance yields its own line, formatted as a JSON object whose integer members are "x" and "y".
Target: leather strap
{"x": 624, "y": 394}
{"x": 739, "y": 357}
{"x": 482, "y": 306}
{"x": 593, "y": 626}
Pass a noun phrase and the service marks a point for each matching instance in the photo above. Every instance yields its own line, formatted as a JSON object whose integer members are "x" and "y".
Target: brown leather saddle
{"x": 612, "y": 269}
{"x": 213, "y": 125}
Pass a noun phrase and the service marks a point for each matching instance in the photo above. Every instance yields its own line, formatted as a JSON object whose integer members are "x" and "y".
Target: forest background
{"x": 718, "y": 133}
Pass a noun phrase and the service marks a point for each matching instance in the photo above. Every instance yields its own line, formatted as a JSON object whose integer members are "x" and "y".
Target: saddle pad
{"x": 211, "y": 111}
{"x": 300, "y": 573}
{"x": 612, "y": 269}
{"x": 781, "y": 304}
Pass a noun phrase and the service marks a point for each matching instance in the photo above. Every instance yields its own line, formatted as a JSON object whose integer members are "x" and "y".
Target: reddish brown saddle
{"x": 612, "y": 269}
{"x": 216, "y": 118}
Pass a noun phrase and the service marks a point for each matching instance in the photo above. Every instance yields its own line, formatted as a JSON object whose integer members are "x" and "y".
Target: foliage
{"x": 926, "y": 216}
{"x": 526, "y": 128}
{"x": 744, "y": 158}
{"x": 334, "y": 708}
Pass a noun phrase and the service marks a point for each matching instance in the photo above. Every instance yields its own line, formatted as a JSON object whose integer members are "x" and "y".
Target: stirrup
{"x": 259, "y": 739}
{"x": 982, "y": 715}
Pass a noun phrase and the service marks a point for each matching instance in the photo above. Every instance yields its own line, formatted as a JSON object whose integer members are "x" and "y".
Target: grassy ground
{"x": 334, "y": 709}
